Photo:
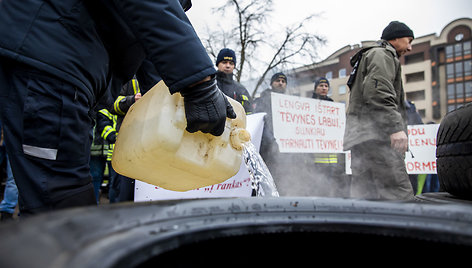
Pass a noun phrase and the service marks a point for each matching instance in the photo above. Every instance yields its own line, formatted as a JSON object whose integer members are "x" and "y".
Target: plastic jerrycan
{"x": 154, "y": 147}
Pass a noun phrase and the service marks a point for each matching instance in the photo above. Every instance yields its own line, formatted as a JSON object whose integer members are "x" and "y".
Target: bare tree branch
{"x": 250, "y": 39}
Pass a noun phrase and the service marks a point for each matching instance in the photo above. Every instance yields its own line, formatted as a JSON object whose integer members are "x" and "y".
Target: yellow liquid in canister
{"x": 154, "y": 147}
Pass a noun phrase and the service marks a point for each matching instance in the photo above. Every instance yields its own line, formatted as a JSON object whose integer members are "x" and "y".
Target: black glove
{"x": 206, "y": 108}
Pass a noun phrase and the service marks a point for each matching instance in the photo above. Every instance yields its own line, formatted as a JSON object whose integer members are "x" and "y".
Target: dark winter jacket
{"x": 414, "y": 118}
{"x": 377, "y": 104}
{"x": 263, "y": 104}
{"x": 88, "y": 42}
{"x": 235, "y": 90}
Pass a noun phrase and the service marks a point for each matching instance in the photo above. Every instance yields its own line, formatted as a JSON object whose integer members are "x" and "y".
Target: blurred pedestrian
{"x": 328, "y": 168}
{"x": 10, "y": 193}
{"x": 376, "y": 123}
{"x": 280, "y": 165}
{"x": 57, "y": 59}
{"x": 225, "y": 62}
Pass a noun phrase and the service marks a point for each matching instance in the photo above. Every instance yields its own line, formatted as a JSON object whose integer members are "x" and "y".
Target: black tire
{"x": 454, "y": 152}
{"x": 243, "y": 232}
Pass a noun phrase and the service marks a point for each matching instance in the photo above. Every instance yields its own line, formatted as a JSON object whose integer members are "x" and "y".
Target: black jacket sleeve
{"x": 169, "y": 40}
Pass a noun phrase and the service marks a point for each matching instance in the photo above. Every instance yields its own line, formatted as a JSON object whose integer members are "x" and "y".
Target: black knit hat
{"x": 277, "y": 76}
{"x": 396, "y": 29}
{"x": 226, "y": 54}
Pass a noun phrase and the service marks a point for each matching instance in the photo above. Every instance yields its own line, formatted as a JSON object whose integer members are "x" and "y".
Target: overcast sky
{"x": 344, "y": 22}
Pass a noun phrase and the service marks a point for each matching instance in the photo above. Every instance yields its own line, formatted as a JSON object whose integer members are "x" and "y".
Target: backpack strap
{"x": 355, "y": 60}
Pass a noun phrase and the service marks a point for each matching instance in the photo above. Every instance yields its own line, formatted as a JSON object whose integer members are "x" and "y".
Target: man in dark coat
{"x": 279, "y": 164}
{"x": 225, "y": 63}
{"x": 57, "y": 59}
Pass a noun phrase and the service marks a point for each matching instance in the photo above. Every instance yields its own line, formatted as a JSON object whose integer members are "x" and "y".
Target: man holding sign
{"x": 376, "y": 126}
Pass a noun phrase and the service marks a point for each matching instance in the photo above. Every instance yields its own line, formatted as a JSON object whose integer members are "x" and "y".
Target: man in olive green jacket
{"x": 376, "y": 127}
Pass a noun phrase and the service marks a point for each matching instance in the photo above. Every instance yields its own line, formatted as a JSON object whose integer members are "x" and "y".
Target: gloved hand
{"x": 206, "y": 108}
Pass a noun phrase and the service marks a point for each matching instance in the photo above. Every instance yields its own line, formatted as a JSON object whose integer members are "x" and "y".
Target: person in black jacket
{"x": 225, "y": 63}
{"x": 59, "y": 57}
{"x": 279, "y": 164}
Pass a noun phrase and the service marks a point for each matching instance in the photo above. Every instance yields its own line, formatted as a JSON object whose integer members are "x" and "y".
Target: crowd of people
{"x": 68, "y": 80}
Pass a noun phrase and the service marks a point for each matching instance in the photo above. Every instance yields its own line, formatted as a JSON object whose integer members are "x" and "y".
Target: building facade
{"x": 437, "y": 73}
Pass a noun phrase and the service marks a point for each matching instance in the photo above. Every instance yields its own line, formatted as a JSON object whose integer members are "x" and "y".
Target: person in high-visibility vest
{"x": 130, "y": 93}
{"x": 106, "y": 128}
{"x": 329, "y": 166}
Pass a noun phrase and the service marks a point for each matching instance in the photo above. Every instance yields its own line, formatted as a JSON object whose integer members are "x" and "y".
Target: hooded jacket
{"x": 377, "y": 103}
{"x": 87, "y": 42}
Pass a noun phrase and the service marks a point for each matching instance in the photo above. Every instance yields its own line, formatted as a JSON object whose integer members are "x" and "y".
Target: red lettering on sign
{"x": 421, "y": 166}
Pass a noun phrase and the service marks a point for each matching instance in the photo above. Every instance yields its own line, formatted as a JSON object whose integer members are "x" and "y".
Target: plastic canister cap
{"x": 239, "y": 137}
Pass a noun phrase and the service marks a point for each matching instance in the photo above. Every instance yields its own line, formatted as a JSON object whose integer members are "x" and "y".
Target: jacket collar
{"x": 228, "y": 78}
{"x": 390, "y": 47}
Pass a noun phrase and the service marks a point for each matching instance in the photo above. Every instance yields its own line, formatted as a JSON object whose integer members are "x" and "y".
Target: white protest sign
{"x": 421, "y": 157}
{"x": 237, "y": 186}
{"x": 304, "y": 125}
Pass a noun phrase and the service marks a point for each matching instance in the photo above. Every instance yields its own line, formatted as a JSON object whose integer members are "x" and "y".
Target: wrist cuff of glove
{"x": 199, "y": 89}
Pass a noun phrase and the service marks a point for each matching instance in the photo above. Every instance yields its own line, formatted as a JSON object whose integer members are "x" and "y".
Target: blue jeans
{"x": 10, "y": 196}
{"x": 97, "y": 167}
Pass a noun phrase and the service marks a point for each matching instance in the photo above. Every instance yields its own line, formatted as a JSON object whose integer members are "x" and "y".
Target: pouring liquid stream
{"x": 262, "y": 182}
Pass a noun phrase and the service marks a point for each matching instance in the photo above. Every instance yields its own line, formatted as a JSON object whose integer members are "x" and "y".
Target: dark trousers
{"x": 126, "y": 188}
{"x": 48, "y": 134}
{"x": 378, "y": 172}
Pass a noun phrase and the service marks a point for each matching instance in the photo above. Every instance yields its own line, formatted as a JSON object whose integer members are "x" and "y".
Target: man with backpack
{"x": 376, "y": 122}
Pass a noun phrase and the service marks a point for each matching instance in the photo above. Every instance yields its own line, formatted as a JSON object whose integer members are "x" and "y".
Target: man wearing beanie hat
{"x": 279, "y": 164}
{"x": 321, "y": 89}
{"x": 376, "y": 120}
{"x": 278, "y": 83}
{"x": 225, "y": 62}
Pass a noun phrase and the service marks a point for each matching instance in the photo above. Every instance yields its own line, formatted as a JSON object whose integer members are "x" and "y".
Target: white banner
{"x": 304, "y": 125}
{"x": 421, "y": 157}
{"x": 237, "y": 186}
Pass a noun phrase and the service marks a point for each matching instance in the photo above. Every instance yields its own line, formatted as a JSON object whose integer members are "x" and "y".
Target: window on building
{"x": 342, "y": 73}
{"x": 415, "y": 95}
{"x": 468, "y": 91}
{"x": 459, "y": 37}
{"x": 451, "y": 92}
{"x": 442, "y": 56}
{"x": 415, "y": 77}
{"x": 468, "y": 68}
{"x": 450, "y": 70}
{"x": 459, "y": 70}
{"x": 451, "y": 107}
{"x": 460, "y": 92}
{"x": 467, "y": 48}
{"x": 449, "y": 52}
{"x": 458, "y": 50}
{"x": 414, "y": 58}
{"x": 329, "y": 75}
{"x": 342, "y": 89}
